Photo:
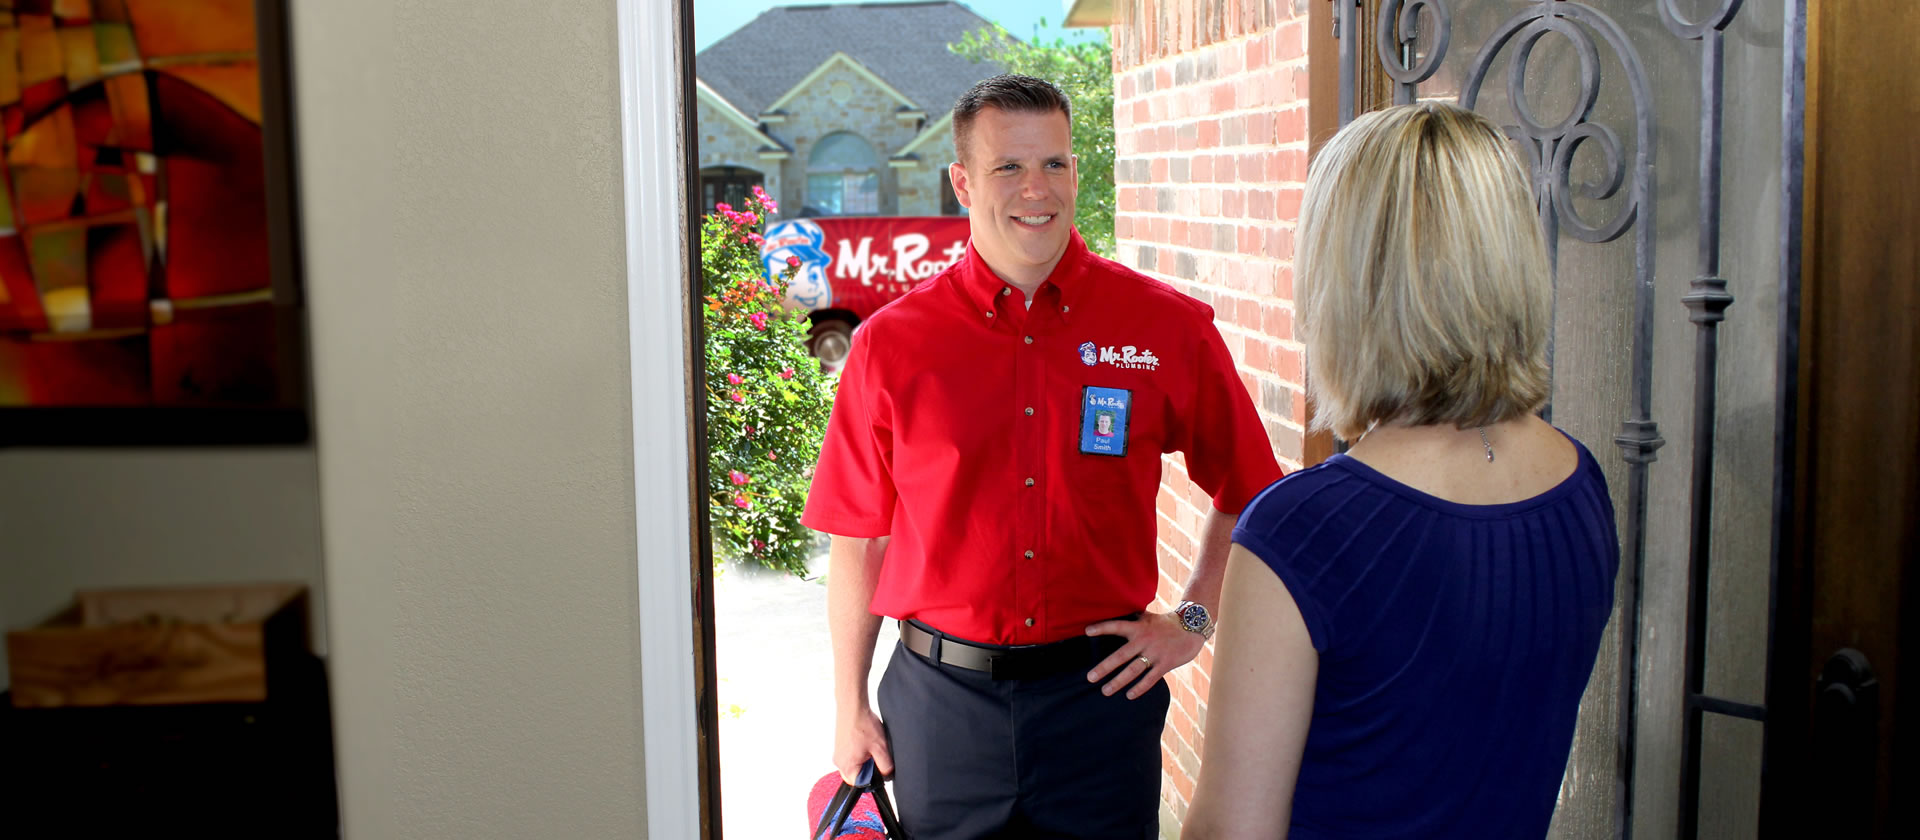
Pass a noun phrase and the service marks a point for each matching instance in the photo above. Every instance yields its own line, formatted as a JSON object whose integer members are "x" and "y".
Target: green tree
{"x": 767, "y": 400}
{"x": 1085, "y": 73}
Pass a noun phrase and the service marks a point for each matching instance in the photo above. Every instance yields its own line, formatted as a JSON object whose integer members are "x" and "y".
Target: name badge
{"x": 1103, "y": 420}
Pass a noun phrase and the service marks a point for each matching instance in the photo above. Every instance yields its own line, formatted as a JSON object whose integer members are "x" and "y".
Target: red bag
{"x": 860, "y": 810}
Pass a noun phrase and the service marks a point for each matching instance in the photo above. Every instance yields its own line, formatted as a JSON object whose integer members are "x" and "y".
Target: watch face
{"x": 1194, "y": 617}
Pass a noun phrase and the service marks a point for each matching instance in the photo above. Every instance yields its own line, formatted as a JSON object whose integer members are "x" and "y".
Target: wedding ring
{"x": 1145, "y": 661}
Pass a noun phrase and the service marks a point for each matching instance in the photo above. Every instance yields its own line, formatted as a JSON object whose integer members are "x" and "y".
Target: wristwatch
{"x": 1194, "y": 618}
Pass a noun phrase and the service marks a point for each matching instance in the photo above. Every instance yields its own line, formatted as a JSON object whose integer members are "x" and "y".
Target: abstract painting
{"x": 137, "y": 229}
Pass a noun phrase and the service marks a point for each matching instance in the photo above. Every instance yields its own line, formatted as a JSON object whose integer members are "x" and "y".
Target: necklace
{"x": 1485, "y": 443}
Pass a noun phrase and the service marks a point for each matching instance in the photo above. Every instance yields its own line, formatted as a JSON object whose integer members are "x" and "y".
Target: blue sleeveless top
{"x": 1455, "y": 642}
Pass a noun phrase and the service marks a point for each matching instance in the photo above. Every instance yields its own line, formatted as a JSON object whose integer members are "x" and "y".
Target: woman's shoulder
{"x": 1314, "y": 491}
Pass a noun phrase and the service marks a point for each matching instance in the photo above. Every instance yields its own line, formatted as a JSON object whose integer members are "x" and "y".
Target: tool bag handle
{"x": 840, "y": 807}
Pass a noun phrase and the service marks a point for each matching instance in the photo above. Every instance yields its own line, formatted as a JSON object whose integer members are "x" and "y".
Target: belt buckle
{"x": 1000, "y": 666}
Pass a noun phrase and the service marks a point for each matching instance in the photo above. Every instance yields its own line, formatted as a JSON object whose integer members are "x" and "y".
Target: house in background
{"x": 836, "y": 110}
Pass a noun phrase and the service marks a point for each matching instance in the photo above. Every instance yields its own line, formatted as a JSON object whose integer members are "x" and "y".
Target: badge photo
{"x": 1103, "y": 420}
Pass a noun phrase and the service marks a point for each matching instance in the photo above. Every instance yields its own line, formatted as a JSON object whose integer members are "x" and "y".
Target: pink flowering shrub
{"x": 767, "y": 401}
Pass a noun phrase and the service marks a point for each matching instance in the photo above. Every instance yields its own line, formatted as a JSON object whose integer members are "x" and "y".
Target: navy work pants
{"x": 977, "y": 758}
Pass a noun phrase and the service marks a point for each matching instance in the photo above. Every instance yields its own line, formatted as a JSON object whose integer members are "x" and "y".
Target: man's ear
{"x": 1074, "y": 161}
{"x": 962, "y": 190}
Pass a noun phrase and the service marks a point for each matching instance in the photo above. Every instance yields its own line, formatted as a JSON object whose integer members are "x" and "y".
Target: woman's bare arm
{"x": 1264, "y": 668}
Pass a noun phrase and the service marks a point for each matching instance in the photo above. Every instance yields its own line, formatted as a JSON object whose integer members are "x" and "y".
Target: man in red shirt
{"x": 989, "y": 478}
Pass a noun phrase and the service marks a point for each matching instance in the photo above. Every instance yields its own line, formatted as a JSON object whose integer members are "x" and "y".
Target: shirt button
{"x": 1029, "y": 339}
{"x": 1029, "y": 622}
{"x": 989, "y": 313}
{"x": 1029, "y": 411}
{"x": 1005, "y": 292}
{"x": 1029, "y": 554}
{"x": 1029, "y": 482}
{"x": 1065, "y": 308}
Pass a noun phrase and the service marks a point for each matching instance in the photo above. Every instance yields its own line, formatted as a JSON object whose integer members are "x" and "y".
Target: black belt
{"x": 1021, "y": 662}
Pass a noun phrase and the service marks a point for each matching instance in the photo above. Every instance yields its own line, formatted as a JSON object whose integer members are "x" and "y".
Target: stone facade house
{"x": 836, "y": 110}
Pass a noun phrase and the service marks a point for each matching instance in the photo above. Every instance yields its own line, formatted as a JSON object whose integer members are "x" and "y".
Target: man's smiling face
{"x": 1018, "y": 182}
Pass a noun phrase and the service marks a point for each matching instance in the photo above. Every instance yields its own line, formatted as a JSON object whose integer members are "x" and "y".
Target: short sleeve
{"x": 1228, "y": 453}
{"x": 853, "y": 491}
{"x": 1272, "y": 528}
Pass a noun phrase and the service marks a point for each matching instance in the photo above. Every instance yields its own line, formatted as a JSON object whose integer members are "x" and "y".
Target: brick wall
{"x": 1210, "y": 118}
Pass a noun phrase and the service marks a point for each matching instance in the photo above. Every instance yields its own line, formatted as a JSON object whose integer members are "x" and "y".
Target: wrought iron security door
{"x": 1658, "y": 219}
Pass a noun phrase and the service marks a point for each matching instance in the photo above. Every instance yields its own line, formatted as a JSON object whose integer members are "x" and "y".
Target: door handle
{"x": 1846, "y": 746}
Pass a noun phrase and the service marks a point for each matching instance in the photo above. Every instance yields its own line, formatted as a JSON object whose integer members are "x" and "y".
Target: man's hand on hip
{"x": 858, "y": 736}
{"x": 1156, "y": 644}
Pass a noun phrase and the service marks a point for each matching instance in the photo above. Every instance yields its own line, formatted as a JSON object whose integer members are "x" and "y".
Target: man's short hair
{"x": 1424, "y": 291}
{"x": 1009, "y": 92}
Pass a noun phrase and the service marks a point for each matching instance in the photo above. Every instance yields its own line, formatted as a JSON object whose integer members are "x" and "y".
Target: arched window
{"x": 843, "y": 177}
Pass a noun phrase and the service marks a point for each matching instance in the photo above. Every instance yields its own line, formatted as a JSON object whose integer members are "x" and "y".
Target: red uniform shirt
{"x": 969, "y": 428}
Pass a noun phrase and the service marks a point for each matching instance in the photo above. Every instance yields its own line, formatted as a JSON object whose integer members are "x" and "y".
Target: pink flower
{"x": 759, "y": 546}
{"x": 738, "y": 478}
{"x": 771, "y": 457}
{"x": 749, "y": 430}
{"x": 724, "y": 208}
{"x": 793, "y": 262}
{"x": 786, "y": 374}
{"x": 736, "y": 396}
{"x": 754, "y": 239}
{"x": 741, "y": 501}
{"x": 759, "y": 320}
{"x": 734, "y": 379}
{"x": 759, "y": 192}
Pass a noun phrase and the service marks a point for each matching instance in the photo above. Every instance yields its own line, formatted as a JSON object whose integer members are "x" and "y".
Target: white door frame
{"x": 657, "y": 285}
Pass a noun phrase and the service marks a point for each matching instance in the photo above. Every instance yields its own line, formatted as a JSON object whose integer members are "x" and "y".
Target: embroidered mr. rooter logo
{"x": 1130, "y": 357}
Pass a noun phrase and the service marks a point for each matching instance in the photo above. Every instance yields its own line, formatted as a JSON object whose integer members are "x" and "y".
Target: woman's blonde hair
{"x": 1423, "y": 288}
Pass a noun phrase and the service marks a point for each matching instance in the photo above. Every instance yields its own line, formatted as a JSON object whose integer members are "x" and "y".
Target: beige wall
{"x": 461, "y": 178}
{"x": 91, "y": 518}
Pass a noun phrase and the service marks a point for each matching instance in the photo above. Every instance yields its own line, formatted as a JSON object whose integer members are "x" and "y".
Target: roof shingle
{"x": 902, "y": 43}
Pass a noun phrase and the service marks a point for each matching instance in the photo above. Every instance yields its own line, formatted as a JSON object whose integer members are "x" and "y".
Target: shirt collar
{"x": 986, "y": 293}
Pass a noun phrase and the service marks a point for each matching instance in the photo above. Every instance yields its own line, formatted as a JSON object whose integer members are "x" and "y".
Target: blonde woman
{"x": 1408, "y": 627}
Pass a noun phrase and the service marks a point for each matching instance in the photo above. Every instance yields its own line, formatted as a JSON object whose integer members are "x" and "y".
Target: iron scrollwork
{"x": 1550, "y": 149}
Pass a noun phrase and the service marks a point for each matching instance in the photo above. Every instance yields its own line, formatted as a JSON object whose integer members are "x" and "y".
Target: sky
{"x": 716, "y": 19}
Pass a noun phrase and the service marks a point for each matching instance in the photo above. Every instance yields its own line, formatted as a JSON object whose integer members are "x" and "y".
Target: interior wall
{"x": 460, "y": 168}
{"x": 101, "y": 518}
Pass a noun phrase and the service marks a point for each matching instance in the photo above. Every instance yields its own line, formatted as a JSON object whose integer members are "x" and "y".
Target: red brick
{"x": 1157, "y": 170}
{"x": 1260, "y": 204}
{"x": 1277, "y": 321}
{"x": 1157, "y": 233}
{"x": 1209, "y": 133}
{"x": 1286, "y": 364}
{"x": 1291, "y": 40}
{"x": 1246, "y": 313}
{"x": 1140, "y": 112}
{"x": 1291, "y": 126}
{"x": 1201, "y": 170}
{"x": 1177, "y": 232}
{"x": 1162, "y": 77}
{"x": 1280, "y": 244}
{"x": 1287, "y": 201}
{"x": 1233, "y": 204}
{"x": 1250, "y": 167}
{"x": 1301, "y": 85}
{"x": 1221, "y": 98}
{"x": 1122, "y": 226}
{"x": 1256, "y": 53}
{"x": 1256, "y": 355}
{"x": 1163, "y": 138}
{"x": 1260, "y": 128}
{"x": 1283, "y": 282}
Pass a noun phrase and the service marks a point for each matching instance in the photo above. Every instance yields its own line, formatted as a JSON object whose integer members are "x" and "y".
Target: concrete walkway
{"x": 776, "y": 697}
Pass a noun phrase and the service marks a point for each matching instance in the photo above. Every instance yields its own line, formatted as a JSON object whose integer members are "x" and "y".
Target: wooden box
{"x": 208, "y": 644}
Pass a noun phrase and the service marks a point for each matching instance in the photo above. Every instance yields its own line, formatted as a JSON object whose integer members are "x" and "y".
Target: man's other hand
{"x": 1156, "y": 644}
{"x": 858, "y": 736}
